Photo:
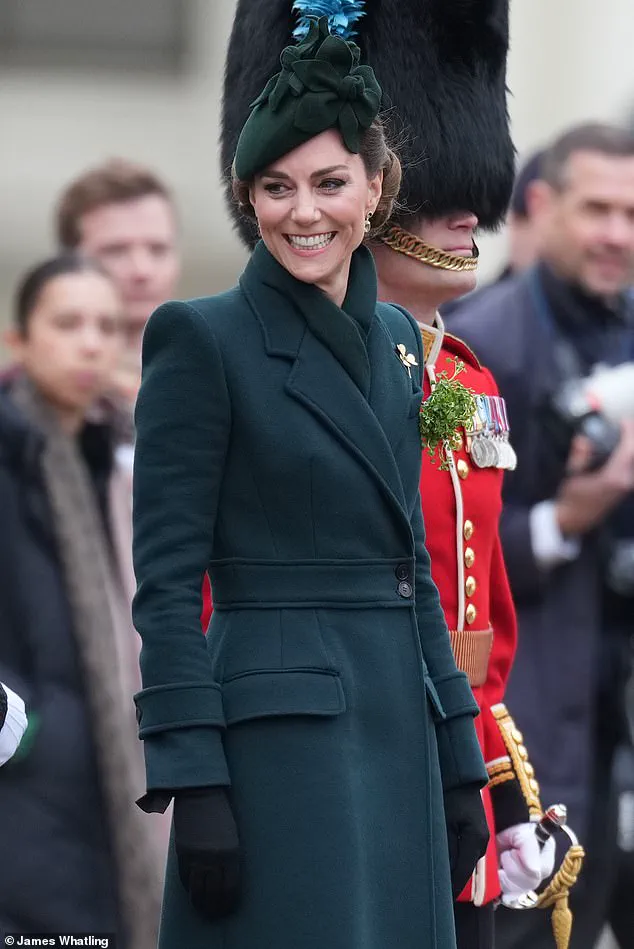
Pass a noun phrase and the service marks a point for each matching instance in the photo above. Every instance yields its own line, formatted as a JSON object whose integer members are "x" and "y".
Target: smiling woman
{"x": 320, "y": 197}
{"x": 311, "y": 207}
{"x": 310, "y": 742}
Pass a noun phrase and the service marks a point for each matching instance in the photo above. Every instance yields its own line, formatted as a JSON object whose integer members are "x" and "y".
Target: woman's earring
{"x": 367, "y": 227}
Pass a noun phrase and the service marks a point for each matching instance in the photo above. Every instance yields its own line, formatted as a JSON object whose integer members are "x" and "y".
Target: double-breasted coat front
{"x": 278, "y": 448}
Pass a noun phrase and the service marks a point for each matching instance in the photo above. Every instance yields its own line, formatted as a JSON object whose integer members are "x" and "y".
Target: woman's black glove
{"x": 208, "y": 850}
{"x": 467, "y": 833}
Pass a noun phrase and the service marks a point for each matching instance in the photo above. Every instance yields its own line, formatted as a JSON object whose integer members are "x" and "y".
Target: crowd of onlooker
{"x": 82, "y": 855}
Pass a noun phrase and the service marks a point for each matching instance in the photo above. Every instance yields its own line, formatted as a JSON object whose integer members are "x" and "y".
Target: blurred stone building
{"x": 83, "y": 80}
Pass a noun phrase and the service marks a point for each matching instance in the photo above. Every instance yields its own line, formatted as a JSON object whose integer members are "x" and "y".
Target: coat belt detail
{"x": 472, "y": 648}
{"x": 312, "y": 584}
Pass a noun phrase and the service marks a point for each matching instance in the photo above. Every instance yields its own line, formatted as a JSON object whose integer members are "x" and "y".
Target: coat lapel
{"x": 319, "y": 380}
{"x": 392, "y": 386}
{"x": 336, "y": 401}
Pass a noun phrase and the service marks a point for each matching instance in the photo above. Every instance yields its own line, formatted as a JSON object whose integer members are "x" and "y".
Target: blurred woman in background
{"x": 76, "y": 856}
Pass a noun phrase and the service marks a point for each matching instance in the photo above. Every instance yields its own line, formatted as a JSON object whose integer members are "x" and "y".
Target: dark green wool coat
{"x": 278, "y": 447}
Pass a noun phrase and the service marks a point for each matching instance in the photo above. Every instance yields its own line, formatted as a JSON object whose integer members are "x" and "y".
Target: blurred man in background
{"x": 568, "y": 500}
{"x": 521, "y": 230}
{"x": 123, "y": 215}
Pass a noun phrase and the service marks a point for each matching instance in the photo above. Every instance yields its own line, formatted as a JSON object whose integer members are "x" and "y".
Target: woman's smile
{"x": 312, "y": 201}
{"x": 308, "y": 245}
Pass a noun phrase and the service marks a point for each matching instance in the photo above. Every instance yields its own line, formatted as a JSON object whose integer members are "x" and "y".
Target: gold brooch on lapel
{"x": 406, "y": 358}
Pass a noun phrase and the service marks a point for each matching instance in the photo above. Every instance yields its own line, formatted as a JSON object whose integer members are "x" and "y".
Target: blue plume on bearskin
{"x": 342, "y": 16}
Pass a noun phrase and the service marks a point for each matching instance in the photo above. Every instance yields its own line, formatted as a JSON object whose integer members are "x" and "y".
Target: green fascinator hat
{"x": 321, "y": 86}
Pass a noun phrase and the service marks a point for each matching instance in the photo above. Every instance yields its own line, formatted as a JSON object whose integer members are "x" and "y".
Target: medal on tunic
{"x": 482, "y": 450}
{"x": 498, "y": 431}
{"x": 493, "y": 430}
{"x": 488, "y": 435}
{"x": 511, "y": 457}
{"x": 478, "y": 451}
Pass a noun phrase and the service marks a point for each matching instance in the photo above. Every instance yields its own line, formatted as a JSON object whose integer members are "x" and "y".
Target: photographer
{"x": 568, "y": 508}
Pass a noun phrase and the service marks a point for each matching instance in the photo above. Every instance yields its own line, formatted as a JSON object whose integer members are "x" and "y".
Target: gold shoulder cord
{"x": 405, "y": 243}
{"x": 523, "y": 769}
{"x": 557, "y": 892}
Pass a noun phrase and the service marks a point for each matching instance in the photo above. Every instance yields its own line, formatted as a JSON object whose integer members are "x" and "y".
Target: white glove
{"x": 523, "y": 865}
{"x": 14, "y": 725}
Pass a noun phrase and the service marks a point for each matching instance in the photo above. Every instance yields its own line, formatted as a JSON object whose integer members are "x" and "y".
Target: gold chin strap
{"x": 405, "y": 243}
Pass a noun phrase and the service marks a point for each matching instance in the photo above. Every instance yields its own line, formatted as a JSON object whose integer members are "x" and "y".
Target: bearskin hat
{"x": 442, "y": 67}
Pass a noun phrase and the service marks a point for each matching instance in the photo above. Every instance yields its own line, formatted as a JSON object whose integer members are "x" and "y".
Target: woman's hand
{"x": 208, "y": 850}
{"x": 467, "y": 833}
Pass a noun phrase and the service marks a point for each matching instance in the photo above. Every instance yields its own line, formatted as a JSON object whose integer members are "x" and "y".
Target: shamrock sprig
{"x": 450, "y": 406}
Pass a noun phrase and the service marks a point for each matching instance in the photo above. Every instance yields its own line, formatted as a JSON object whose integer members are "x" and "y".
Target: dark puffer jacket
{"x": 58, "y": 869}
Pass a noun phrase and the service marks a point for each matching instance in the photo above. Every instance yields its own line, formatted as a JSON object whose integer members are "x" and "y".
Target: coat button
{"x": 402, "y": 572}
{"x": 470, "y": 614}
{"x": 469, "y": 557}
{"x": 468, "y": 530}
{"x": 462, "y": 468}
{"x": 405, "y": 589}
{"x": 470, "y": 586}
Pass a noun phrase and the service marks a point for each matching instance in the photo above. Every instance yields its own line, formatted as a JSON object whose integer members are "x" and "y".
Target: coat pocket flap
{"x": 282, "y": 692}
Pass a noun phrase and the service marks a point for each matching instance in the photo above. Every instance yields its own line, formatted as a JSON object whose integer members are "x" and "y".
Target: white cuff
{"x": 550, "y": 547}
{"x": 14, "y": 725}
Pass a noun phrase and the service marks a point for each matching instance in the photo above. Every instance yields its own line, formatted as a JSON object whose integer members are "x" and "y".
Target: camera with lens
{"x": 593, "y": 406}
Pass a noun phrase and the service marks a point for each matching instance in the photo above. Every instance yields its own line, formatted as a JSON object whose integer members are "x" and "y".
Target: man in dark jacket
{"x": 537, "y": 331}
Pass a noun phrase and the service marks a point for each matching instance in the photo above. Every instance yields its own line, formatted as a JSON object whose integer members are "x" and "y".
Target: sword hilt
{"x": 552, "y": 820}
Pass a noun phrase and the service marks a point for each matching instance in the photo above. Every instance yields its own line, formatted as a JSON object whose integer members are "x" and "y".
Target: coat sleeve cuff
{"x": 508, "y": 802}
{"x": 461, "y": 760}
{"x": 454, "y": 709}
{"x": 550, "y": 547}
{"x": 454, "y": 696}
{"x": 180, "y": 705}
{"x": 184, "y": 758}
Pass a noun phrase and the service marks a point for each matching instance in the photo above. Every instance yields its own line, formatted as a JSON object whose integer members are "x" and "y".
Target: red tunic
{"x": 461, "y": 509}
